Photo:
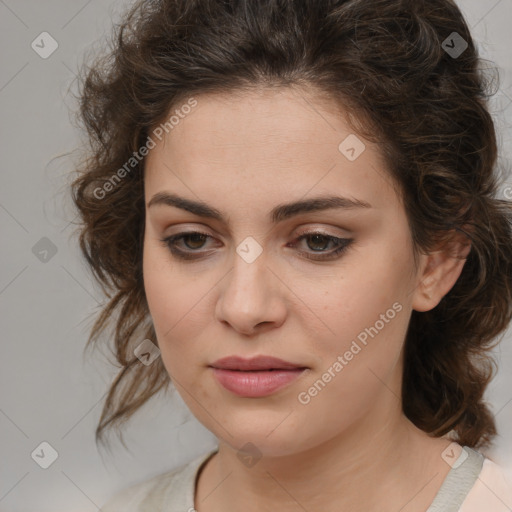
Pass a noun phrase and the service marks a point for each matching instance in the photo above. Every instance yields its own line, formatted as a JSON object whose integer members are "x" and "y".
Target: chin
{"x": 264, "y": 437}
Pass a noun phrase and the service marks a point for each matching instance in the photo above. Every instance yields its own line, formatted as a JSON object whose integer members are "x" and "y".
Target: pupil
{"x": 196, "y": 237}
{"x": 319, "y": 238}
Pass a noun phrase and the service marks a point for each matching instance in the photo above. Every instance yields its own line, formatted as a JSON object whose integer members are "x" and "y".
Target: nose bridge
{"x": 250, "y": 295}
{"x": 248, "y": 280}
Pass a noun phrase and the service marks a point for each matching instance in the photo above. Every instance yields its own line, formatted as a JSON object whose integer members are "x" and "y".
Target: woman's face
{"x": 255, "y": 286}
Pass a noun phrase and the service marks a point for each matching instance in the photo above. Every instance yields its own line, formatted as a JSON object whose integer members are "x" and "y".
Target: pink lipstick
{"x": 256, "y": 377}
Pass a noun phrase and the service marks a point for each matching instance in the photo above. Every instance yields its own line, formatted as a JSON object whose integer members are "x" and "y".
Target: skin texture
{"x": 350, "y": 447}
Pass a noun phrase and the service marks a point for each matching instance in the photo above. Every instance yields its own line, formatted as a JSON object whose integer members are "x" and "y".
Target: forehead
{"x": 270, "y": 142}
{"x": 243, "y": 123}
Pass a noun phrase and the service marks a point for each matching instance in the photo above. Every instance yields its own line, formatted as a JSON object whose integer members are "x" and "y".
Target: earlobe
{"x": 438, "y": 272}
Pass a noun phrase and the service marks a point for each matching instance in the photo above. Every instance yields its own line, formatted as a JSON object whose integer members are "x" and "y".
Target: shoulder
{"x": 491, "y": 492}
{"x": 174, "y": 488}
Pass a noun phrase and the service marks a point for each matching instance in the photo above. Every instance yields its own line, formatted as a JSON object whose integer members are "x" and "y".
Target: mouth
{"x": 259, "y": 363}
{"x": 257, "y": 377}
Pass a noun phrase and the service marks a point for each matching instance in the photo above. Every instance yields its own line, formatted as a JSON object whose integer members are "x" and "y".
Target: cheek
{"x": 161, "y": 299}
{"x": 168, "y": 297}
{"x": 367, "y": 310}
{"x": 180, "y": 306}
{"x": 367, "y": 286}
{"x": 358, "y": 369}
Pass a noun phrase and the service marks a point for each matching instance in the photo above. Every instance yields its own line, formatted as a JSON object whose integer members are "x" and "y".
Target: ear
{"x": 439, "y": 270}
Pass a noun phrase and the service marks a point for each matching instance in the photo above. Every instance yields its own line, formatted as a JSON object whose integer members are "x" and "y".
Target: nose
{"x": 251, "y": 298}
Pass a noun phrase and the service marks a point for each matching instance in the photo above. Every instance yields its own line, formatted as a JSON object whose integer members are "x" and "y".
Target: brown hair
{"x": 387, "y": 63}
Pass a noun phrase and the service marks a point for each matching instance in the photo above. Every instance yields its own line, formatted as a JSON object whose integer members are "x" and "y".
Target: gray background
{"x": 50, "y": 392}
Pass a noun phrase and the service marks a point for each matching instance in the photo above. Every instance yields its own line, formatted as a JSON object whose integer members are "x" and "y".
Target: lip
{"x": 254, "y": 363}
{"x": 257, "y": 377}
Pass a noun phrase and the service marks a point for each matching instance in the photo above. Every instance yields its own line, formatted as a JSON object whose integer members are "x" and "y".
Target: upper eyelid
{"x": 302, "y": 233}
{"x": 302, "y": 229}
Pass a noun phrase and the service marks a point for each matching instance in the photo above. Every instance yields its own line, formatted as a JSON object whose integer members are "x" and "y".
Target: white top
{"x": 473, "y": 484}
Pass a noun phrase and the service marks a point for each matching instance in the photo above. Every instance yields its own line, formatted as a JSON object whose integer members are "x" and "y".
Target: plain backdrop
{"x": 49, "y": 392}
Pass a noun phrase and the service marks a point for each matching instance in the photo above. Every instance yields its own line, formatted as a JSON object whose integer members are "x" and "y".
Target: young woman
{"x": 294, "y": 210}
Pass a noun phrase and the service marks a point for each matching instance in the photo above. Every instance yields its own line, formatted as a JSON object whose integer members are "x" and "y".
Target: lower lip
{"x": 255, "y": 384}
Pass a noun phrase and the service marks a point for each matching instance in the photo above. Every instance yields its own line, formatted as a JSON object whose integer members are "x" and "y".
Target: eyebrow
{"x": 278, "y": 214}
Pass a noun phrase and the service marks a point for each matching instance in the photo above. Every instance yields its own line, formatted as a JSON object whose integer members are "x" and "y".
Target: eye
{"x": 317, "y": 242}
{"x": 193, "y": 240}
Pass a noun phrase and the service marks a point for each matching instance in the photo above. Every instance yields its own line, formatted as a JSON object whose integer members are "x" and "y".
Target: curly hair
{"x": 388, "y": 63}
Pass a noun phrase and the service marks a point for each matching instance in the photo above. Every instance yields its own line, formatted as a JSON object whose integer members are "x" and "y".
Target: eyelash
{"x": 170, "y": 243}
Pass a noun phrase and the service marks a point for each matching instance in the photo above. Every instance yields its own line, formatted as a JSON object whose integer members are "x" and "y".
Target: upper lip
{"x": 255, "y": 363}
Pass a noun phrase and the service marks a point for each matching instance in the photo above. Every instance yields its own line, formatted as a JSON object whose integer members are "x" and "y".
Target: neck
{"x": 382, "y": 463}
